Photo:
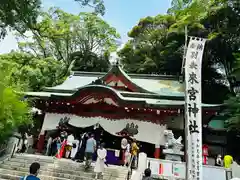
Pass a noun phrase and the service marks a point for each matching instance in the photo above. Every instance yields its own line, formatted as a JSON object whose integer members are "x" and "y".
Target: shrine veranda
{"x": 142, "y": 105}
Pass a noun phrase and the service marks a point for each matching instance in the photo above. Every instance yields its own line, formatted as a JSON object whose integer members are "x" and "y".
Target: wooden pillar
{"x": 157, "y": 151}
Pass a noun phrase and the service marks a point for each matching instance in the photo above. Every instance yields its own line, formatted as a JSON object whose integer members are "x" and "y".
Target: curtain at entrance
{"x": 141, "y": 130}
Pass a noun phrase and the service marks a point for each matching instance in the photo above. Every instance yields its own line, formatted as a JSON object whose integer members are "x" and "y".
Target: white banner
{"x": 138, "y": 129}
{"x": 193, "y": 99}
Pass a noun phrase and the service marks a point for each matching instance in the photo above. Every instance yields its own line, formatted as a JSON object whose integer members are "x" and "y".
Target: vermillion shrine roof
{"x": 153, "y": 89}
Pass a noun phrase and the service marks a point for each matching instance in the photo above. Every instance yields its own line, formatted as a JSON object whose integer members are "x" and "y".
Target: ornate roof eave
{"x": 116, "y": 69}
{"x": 152, "y": 96}
{"x": 141, "y": 102}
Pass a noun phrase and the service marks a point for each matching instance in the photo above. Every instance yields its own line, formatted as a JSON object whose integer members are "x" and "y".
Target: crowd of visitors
{"x": 86, "y": 148}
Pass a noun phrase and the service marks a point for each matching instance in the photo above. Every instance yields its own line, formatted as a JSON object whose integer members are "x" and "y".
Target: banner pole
{"x": 187, "y": 143}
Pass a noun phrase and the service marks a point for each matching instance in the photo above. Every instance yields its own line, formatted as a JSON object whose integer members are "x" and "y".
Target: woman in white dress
{"x": 101, "y": 157}
{"x": 28, "y": 142}
{"x": 127, "y": 155}
{"x": 74, "y": 149}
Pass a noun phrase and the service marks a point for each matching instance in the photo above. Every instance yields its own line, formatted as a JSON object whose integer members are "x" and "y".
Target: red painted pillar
{"x": 157, "y": 151}
{"x": 40, "y": 144}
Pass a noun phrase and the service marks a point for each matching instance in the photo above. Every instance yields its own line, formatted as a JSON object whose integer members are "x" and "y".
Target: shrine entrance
{"x": 112, "y": 142}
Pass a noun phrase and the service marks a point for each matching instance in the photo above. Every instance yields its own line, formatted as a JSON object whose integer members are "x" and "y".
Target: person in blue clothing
{"x": 89, "y": 151}
{"x": 58, "y": 144}
{"x": 33, "y": 172}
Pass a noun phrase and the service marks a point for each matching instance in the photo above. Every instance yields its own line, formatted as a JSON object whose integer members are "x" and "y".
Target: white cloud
{"x": 113, "y": 56}
{"x": 9, "y": 43}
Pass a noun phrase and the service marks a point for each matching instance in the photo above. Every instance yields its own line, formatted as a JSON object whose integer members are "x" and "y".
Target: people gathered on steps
{"x": 86, "y": 148}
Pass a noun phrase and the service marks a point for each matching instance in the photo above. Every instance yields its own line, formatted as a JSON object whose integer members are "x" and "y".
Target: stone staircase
{"x": 55, "y": 169}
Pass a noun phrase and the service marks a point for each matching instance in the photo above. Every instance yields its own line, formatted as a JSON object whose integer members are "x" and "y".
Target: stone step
{"x": 14, "y": 177}
{"x": 70, "y": 167}
{"x": 51, "y": 174}
{"x": 60, "y": 172}
{"x": 52, "y": 168}
{"x": 50, "y": 159}
{"x": 10, "y": 176}
{"x": 66, "y": 164}
{"x": 47, "y": 158}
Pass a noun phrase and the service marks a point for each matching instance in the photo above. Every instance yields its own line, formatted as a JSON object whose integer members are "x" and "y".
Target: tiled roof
{"x": 158, "y": 84}
{"x": 161, "y": 87}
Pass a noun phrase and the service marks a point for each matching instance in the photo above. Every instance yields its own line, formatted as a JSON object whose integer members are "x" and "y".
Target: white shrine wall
{"x": 146, "y": 131}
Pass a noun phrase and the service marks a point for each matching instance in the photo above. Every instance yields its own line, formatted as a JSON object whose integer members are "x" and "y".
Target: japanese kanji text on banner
{"x": 193, "y": 79}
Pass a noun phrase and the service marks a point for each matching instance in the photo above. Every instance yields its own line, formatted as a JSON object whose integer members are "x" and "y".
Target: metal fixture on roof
{"x": 98, "y": 81}
{"x": 234, "y": 85}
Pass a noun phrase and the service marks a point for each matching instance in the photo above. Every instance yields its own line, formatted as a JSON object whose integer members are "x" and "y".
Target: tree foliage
{"x": 84, "y": 38}
{"x": 14, "y": 112}
{"x": 35, "y": 72}
{"x": 97, "y": 5}
{"x": 233, "y": 113}
{"x": 156, "y": 43}
{"x": 18, "y": 15}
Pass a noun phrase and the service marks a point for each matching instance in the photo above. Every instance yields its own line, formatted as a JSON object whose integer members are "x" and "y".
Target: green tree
{"x": 61, "y": 35}
{"x": 157, "y": 43}
{"x": 233, "y": 113}
{"x": 14, "y": 112}
{"x": 151, "y": 49}
{"x": 35, "y": 72}
{"x": 18, "y": 15}
{"x": 97, "y": 5}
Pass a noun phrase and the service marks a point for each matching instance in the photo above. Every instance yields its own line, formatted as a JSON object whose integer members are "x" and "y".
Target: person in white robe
{"x": 74, "y": 149}
{"x": 28, "y": 142}
{"x": 20, "y": 146}
{"x": 101, "y": 158}
{"x": 127, "y": 154}
{"x": 49, "y": 144}
{"x": 68, "y": 148}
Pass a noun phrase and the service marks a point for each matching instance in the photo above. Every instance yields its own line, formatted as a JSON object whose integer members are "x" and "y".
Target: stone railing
{"x": 166, "y": 169}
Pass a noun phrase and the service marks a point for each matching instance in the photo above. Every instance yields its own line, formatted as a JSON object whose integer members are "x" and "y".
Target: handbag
{"x": 74, "y": 145}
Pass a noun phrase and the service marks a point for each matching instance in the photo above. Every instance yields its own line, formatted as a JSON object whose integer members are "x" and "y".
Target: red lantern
{"x": 205, "y": 150}
{"x": 205, "y": 154}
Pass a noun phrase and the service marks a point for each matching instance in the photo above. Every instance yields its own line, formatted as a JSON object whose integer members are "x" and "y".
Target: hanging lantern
{"x": 205, "y": 154}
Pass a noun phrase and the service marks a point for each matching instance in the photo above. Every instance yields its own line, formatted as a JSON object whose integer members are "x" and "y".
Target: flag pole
{"x": 187, "y": 150}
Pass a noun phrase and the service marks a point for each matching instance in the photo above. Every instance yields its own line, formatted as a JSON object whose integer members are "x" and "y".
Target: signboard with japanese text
{"x": 193, "y": 106}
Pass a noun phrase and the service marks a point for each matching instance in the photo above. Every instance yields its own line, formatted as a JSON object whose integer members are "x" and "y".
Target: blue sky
{"x": 121, "y": 14}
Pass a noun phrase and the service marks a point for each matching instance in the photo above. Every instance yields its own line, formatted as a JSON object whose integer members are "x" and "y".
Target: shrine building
{"x": 143, "y": 105}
